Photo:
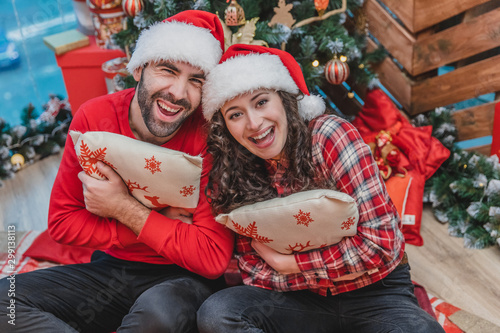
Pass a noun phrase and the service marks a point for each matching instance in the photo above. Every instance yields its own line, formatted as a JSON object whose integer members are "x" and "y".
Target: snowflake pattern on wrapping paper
{"x": 187, "y": 190}
{"x": 299, "y": 247}
{"x": 135, "y": 186}
{"x": 251, "y": 231}
{"x": 152, "y": 165}
{"x": 346, "y": 225}
{"x": 303, "y": 218}
{"x": 88, "y": 159}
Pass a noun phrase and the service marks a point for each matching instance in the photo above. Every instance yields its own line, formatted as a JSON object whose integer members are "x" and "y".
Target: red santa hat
{"x": 246, "y": 68}
{"x": 192, "y": 36}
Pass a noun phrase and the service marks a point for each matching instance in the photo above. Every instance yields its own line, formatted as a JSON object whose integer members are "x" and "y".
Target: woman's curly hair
{"x": 240, "y": 178}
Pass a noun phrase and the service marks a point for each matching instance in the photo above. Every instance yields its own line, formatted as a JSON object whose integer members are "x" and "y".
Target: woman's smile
{"x": 258, "y": 122}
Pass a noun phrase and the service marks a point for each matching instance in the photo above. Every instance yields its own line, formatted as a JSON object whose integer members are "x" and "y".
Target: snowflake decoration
{"x": 88, "y": 159}
{"x": 303, "y": 218}
{"x": 251, "y": 231}
{"x": 187, "y": 191}
{"x": 346, "y": 225}
{"x": 152, "y": 165}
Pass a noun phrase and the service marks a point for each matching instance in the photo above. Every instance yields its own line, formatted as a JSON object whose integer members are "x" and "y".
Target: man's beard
{"x": 147, "y": 105}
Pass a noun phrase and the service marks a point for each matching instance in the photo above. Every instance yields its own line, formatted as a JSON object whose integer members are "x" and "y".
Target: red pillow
{"x": 45, "y": 248}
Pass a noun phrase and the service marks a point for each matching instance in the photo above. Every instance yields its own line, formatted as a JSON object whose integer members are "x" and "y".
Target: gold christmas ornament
{"x": 282, "y": 15}
{"x": 234, "y": 14}
{"x": 321, "y": 6}
{"x": 17, "y": 159}
{"x": 244, "y": 35}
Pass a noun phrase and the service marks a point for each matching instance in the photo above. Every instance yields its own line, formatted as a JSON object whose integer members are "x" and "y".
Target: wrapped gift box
{"x": 82, "y": 72}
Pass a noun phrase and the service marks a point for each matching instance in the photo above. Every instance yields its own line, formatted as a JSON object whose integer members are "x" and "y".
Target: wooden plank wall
{"x": 475, "y": 122}
{"x": 424, "y": 35}
{"x": 418, "y": 55}
{"x": 418, "y": 15}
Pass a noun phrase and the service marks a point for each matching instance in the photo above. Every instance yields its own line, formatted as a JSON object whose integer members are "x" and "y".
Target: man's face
{"x": 168, "y": 93}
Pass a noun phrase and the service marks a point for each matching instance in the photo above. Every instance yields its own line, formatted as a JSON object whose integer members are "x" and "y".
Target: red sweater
{"x": 204, "y": 247}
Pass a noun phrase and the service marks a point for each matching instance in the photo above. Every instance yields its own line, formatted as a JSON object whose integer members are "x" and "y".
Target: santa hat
{"x": 192, "y": 36}
{"x": 246, "y": 68}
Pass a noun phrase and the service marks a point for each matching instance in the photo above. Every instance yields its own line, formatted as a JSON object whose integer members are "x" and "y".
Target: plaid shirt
{"x": 339, "y": 153}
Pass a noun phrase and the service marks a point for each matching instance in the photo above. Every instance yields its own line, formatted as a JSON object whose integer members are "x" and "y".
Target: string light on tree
{"x": 336, "y": 71}
{"x": 234, "y": 14}
{"x": 315, "y": 63}
{"x": 132, "y": 7}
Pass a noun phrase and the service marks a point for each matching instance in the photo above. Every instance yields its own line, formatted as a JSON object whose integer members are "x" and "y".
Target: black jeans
{"x": 105, "y": 295}
{"x": 386, "y": 306}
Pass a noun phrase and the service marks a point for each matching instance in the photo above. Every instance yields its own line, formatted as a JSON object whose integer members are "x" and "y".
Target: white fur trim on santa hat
{"x": 176, "y": 41}
{"x": 247, "y": 73}
{"x": 311, "y": 106}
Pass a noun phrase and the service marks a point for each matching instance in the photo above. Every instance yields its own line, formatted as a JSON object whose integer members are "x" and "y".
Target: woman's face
{"x": 258, "y": 122}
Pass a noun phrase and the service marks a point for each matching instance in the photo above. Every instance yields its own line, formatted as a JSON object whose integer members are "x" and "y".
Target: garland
{"x": 37, "y": 136}
{"x": 465, "y": 191}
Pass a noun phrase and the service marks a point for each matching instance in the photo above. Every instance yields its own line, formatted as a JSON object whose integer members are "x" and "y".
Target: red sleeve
{"x": 204, "y": 247}
{"x": 69, "y": 222}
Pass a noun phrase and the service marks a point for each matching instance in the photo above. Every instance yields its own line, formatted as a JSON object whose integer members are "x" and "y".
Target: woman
{"x": 268, "y": 139}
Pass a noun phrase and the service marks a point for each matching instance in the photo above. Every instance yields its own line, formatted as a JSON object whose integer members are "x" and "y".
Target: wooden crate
{"x": 421, "y": 36}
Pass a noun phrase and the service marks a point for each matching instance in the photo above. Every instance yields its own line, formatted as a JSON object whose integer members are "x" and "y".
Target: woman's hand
{"x": 282, "y": 263}
{"x": 176, "y": 213}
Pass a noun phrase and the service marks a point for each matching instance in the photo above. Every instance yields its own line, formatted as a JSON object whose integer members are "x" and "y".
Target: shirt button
{"x": 318, "y": 279}
{"x": 316, "y": 274}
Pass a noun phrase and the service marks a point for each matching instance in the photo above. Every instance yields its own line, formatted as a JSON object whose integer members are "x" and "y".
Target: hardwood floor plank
{"x": 466, "y": 278}
{"x": 24, "y": 199}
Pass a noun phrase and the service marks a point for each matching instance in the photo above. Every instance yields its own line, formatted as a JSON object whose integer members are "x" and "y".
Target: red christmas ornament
{"x": 321, "y": 6}
{"x": 132, "y": 7}
{"x": 336, "y": 71}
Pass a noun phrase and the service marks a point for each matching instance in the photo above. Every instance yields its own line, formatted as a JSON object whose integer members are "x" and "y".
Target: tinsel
{"x": 465, "y": 191}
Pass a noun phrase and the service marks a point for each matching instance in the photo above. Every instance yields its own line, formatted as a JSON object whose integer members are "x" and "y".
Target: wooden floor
{"x": 468, "y": 279}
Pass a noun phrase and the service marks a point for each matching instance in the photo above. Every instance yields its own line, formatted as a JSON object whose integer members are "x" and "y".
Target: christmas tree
{"x": 319, "y": 34}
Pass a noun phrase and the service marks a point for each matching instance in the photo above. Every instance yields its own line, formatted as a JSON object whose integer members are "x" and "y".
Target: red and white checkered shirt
{"x": 341, "y": 154}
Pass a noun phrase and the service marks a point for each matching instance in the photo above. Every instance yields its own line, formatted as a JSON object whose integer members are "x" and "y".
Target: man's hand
{"x": 282, "y": 263}
{"x": 176, "y": 213}
{"x": 110, "y": 198}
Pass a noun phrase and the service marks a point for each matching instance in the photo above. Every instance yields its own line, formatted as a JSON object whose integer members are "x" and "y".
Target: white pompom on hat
{"x": 246, "y": 68}
{"x": 192, "y": 36}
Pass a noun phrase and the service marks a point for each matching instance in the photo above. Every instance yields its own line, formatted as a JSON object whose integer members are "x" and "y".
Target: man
{"x": 156, "y": 269}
